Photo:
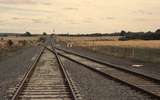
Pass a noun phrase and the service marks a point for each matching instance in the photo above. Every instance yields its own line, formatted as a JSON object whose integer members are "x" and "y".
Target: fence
{"x": 142, "y": 54}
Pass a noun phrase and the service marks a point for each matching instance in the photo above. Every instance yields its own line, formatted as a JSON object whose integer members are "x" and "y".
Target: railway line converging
{"x": 46, "y": 79}
{"x": 137, "y": 81}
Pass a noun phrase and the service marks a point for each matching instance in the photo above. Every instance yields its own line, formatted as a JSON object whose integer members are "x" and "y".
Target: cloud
{"x": 2, "y": 22}
{"x": 17, "y": 2}
{"x": 25, "y": 2}
{"x": 141, "y": 19}
{"x": 26, "y": 9}
{"x": 142, "y": 12}
{"x": 46, "y": 3}
{"x": 110, "y": 18}
{"x": 74, "y": 23}
{"x": 27, "y": 19}
{"x": 38, "y": 20}
{"x": 87, "y": 21}
{"x": 18, "y": 18}
{"x": 70, "y": 8}
{"x": 33, "y": 20}
{"x": 71, "y": 21}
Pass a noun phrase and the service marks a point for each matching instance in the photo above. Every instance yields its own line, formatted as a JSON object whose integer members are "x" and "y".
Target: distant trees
{"x": 158, "y": 31}
{"x": 142, "y": 35}
{"x": 44, "y": 33}
{"x": 9, "y": 43}
{"x": 27, "y": 34}
{"x": 125, "y": 35}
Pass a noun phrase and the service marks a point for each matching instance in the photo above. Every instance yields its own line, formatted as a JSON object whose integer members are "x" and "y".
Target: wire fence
{"x": 143, "y": 54}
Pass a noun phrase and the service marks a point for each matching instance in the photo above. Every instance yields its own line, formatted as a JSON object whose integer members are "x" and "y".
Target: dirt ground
{"x": 13, "y": 66}
{"x": 20, "y": 42}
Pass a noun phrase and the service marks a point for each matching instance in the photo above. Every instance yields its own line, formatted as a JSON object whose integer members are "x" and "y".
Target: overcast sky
{"x": 79, "y": 16}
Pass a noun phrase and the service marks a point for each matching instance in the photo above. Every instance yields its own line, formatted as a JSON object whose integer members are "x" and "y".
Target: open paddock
{"x": 17, "y": 40}
{"x": 142, "y": 50}
{"x": 131, "y": 43}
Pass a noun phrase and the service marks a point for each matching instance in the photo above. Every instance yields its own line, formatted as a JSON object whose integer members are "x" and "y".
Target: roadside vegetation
{"x": 10, "y": 44}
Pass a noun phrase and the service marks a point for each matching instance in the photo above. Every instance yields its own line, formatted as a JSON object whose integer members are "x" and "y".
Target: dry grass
{"x": 82, "y": 41}
{"x": 21, "y": 38}
{"x": 147, "y": 51}
{"x": 16, "y": 40}
{"x": 86, "y": 38}
{"x": 132, "y": 43}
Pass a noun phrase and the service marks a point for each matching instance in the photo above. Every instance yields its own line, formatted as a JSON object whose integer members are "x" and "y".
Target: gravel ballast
{"x": 93, "y": 86}
{"x": 14, "y": 67}
{"x": 148, "y": 69}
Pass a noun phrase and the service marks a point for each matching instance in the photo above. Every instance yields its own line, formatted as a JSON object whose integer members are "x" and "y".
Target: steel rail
{"x": 110, "y": 65}
{"x": 27, "y": 75}
{"x": 111, "y": 77}
{"x": 69, "y": 81}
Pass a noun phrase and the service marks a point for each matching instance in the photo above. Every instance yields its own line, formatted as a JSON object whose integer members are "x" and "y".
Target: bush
{"x": 27, "y": 34}
{"x": 2, "y": 39}
{"x": 44, "y": 33}
{"x": 22, "y": 42}
{"x": 41, "y": 39}
{"x": 9, "y": 43}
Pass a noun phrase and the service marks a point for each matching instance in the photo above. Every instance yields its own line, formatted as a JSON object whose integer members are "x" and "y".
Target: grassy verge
{"x": 142, "y": 50}
{"x": 136, "y": 53}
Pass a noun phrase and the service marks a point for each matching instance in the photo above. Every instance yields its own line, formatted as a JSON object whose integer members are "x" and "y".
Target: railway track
{"x": 134, "y": 80}
{"x": 46, "y": 79}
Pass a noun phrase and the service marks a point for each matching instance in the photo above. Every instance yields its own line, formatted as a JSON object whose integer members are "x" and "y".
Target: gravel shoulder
{"x": 14, "y": 66}
{"x": 93, "y": 86}
{"x": 149, "y": 69}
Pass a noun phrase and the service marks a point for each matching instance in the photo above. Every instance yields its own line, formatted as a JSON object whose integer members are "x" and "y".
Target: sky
{"x": 79, "y": 16}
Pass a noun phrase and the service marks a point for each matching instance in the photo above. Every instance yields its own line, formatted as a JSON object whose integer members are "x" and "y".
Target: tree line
{"x": 125, "y": 35}
{"x": 140, "y": 35}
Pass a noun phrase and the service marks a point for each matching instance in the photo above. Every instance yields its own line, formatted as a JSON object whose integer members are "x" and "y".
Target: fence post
{"x": 133, "y": 52}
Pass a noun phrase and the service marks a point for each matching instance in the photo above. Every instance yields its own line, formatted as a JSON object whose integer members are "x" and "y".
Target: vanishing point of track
{"x": 47, "y": 78}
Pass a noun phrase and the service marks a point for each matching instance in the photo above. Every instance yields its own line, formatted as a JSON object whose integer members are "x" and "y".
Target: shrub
{"x": 9, "y": 43}
{"x": 22, "y": 42}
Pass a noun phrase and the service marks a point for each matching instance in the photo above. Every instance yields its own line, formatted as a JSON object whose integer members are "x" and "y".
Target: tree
{"x": 123, "y": 33}
{"x": 27, "y": 34}
{"x": 9, "y": 43}
{"x": 44, "y": 33}
{"x": 158, "y": 31}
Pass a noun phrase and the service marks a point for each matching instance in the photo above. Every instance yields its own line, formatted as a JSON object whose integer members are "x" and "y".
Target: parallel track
{"x": 137, "y": 81}
{"x": 46, "y": 79}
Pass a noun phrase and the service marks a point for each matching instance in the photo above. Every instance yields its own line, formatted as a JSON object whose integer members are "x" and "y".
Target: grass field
{"x": 89, "y": 41}
{"x": 148, "y": 51}
{"x": 87, "y": 38}
{"x": 3, "y": 40}
{"x": 14, "y": 38}
{"x": 132, "y": 43}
